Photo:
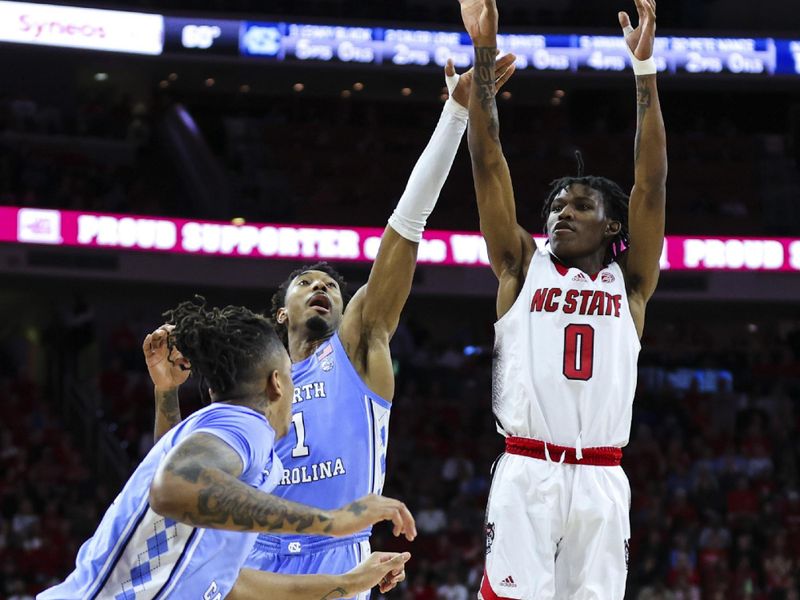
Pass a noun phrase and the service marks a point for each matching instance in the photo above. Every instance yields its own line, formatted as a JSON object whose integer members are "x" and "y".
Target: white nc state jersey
{"x": 565, "y": 358}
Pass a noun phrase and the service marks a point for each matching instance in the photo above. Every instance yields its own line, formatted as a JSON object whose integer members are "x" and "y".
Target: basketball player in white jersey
{"x": 567, "y": 339}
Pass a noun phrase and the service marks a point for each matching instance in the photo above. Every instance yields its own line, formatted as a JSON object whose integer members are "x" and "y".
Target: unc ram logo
{"x": 261, "y": 40}
{"x": 294, "y": 547}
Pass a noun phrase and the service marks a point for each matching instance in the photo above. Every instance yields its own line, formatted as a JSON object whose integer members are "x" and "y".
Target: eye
{"x": 332, "y": 285}
{"x": 302, "y": 282}
{"x": 555, "y": 208}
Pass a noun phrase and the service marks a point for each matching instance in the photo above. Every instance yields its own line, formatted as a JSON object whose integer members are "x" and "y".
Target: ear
{"x": 281, "y": 316}
{"x": 274, "y": 388}
{"x": 613, "y": 228}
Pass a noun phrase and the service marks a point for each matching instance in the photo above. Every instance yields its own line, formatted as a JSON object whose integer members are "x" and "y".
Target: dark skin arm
{"x": 168, "y": 372}
{"x": 646, "y": 213}
{"x": 374, "y": 311}
{"x": 510, "y": 246}
{"x": 381, "y": 568}
{"x": 197, "y": 483}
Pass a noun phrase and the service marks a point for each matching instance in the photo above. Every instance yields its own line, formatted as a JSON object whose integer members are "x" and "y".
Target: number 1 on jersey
{"x": 578, "y": 352}
{"x": 300, "y": 448}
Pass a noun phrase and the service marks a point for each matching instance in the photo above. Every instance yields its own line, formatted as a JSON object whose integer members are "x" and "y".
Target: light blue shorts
{"x": 331, "y": 557}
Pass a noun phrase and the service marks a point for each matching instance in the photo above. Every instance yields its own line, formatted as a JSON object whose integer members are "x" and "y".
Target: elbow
{"x": 485, "y": 156}
{"x": 161, "y": 499}
{"x": 652, "y": 181}
{"x": 653, "y": 188}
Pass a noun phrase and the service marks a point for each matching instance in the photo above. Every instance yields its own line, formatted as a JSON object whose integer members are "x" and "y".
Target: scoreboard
{"x": 535, "y": 52}
{"x": 278, "y": 40}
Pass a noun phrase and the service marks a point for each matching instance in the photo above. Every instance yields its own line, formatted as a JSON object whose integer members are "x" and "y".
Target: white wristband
{"x": 452, "y": 82}
{"x": 640, "y": 67}
{"x": 451, "y": 105}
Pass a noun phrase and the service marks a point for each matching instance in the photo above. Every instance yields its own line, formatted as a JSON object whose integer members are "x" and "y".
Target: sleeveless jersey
{"x": 565, "y": 358}
{"x": 136, "y": 554}
{"x": 335, "y": 451}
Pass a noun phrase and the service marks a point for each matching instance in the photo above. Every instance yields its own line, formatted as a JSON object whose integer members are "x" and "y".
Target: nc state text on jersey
{"x": 582, "y": 302}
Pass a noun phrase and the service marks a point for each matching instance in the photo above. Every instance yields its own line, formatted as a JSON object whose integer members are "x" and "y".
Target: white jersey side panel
{"x": 565, "y": 358}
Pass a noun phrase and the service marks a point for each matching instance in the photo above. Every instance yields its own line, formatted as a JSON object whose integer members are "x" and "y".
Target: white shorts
{"x": 556, "y": 531}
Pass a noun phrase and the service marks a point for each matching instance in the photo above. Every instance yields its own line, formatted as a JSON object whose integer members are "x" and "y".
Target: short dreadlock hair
{"x": 225, "y": 346}
{"x": 279, "y": 297}
{"x": 614, "y": 199}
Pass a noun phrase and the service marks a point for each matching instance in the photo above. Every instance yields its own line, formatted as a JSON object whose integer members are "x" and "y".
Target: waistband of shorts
{"x": 285, "y": 545}
{"x": 594, "y": 457}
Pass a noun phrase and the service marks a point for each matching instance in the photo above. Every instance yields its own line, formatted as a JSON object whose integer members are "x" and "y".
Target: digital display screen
{"x": 118, "y": 31}
{"x": 210, "y": 36}
{"x": 84, "y": 28}
{"x": 535, "y": 52}
{"x": 357, "y": 244}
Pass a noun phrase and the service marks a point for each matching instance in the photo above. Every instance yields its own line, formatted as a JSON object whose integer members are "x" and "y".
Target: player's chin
{"x": 319, "y": 321}
{"x": 565, "y": 248}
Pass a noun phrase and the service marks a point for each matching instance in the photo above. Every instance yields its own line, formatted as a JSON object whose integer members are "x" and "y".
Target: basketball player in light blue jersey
{"x": 335, "y": 451}
{"x": 342, "y": 368}
{"x": 187, "y": 518}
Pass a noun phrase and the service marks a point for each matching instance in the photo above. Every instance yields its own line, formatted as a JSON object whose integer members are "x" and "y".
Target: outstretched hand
{"x": 639, "y": 40}
{"x": 384, "y": 569}
{"x": 480, "y": 20}
{"x": 369, "y": 510}
{"x": 168, "y": 369}
{"x": 504, "y": 68}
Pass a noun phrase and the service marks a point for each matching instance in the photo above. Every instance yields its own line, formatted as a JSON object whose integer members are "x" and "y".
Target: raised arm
{"x": 510, "y": 246}
{"x": 381, "y": 568}
{"x": 168, "y": 372}
{"x": 374, "y": 312}
{"x": 646, "y": 213}
{"x": 197, "y": 483}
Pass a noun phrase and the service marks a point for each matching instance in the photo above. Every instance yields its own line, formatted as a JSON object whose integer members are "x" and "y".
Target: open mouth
{"x": 321, "y": 303}
{"x": 562, "y": 226}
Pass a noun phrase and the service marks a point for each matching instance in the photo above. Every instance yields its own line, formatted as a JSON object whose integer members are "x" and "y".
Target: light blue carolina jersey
{"x": 335, "y": 451}
{"x": 136, "y": 554}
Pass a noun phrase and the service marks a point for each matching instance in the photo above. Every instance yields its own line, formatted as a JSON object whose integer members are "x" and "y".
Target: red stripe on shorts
{"x": 487, "y": 593}
{"x": 595, "y": 457}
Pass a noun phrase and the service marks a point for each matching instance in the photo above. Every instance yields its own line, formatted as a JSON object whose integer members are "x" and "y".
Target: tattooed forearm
{"x": 168, "y": 412}
{"x": 335, "y": 593}
{"x": 216, "y": 497}
{"x": 199, "y": 484}
{"x": 484, "y": 82}
{"x": 221, "y": 502}
{"x": 644, "y": 95}
{"x": 356, "y": 508}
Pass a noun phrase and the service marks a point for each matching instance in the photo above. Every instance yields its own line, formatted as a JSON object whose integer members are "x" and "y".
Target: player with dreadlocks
{"x": 570, "y": 317}
{"x": 188, "y": 516}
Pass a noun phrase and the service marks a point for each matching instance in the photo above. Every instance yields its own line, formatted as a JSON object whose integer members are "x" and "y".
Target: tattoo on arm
{"x": 335, "y": 593}
{"x": 356, "y": 508}
{"x": 643, "y": 101}
{"x": 485, "y": 84}
{"x": 223, "y": 500}
{"x": 169, "y": 410}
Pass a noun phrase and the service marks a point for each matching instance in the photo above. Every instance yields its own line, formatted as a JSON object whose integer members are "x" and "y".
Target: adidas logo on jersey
{"x": 508, "y": 582}
{"x": 580, "y": 277}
